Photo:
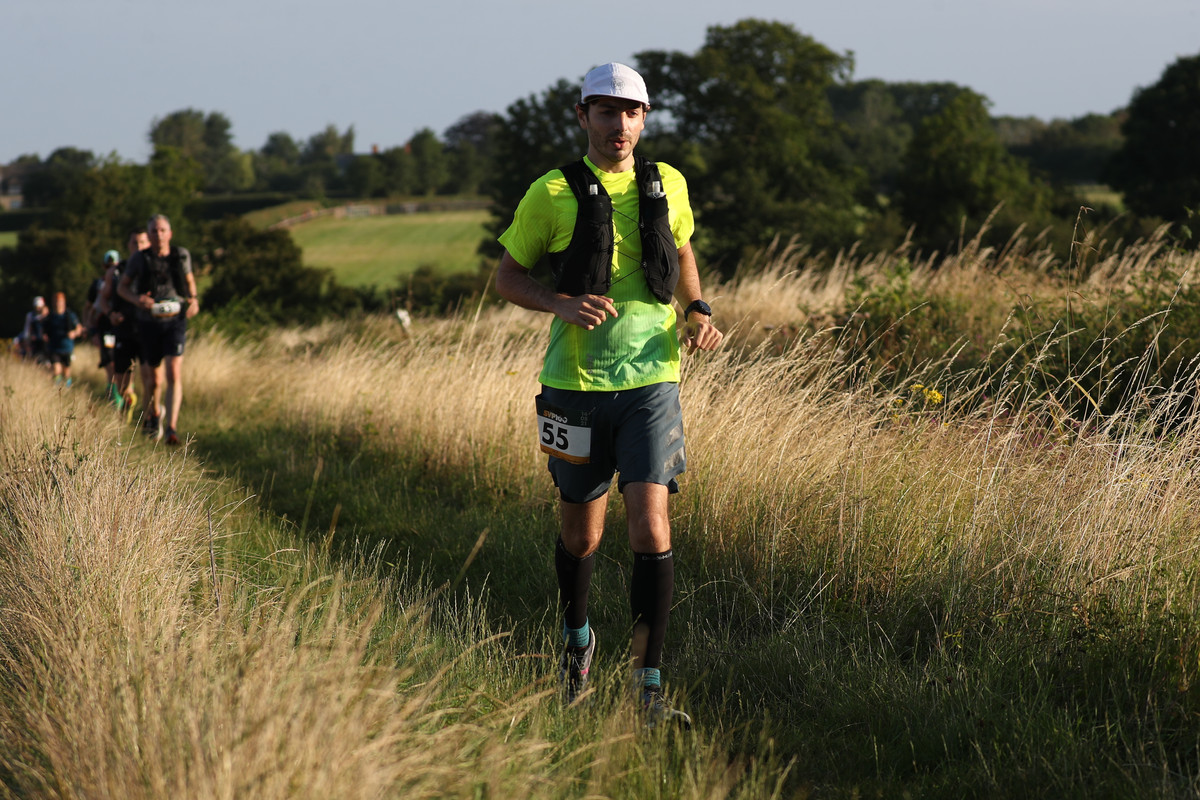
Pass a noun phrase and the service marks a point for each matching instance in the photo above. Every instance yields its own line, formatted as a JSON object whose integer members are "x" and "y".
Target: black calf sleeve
{"x": 574, "y": 580}
{"x": 650, "y": 591}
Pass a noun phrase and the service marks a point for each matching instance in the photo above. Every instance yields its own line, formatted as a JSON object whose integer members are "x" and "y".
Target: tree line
{"x": 775, "y": 136}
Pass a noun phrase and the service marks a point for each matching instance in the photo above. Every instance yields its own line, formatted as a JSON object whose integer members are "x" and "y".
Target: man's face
{"x": 160, "y": 234}
{"x": 60, "y": 304}
{"x": 138, "y": 241}
{"x": 613, "y": 127}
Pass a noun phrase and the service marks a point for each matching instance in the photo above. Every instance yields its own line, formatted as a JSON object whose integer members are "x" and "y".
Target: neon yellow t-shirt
{"x": 639, "y": 346}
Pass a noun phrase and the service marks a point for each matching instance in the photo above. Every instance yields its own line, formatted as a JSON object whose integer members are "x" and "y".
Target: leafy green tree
{"x": 365, "y": 176}
{"x": 95, "y": 208}
{"x": 749, "y": 120}
{"x": 429, "y": 159}
{"x": 1066, "y": 152}
{"x": 51, "y": 179}
{"x": 208, "y": 140}
{"x": 324, "y": 158}
{"x": 103, "y": 202}
{"x": 226, "y": 168}
{"x": 1158, "y": 165}
{"x": 325, "y": 147}
{"x": 536, "y": 134}
{"x": 173, "y": 179}
{"x": 183, "y": 130}
{"x": 399, "y": 171}
{"x": 956, "y": 172}
{"x": 43, "y": 262}
{"x": 880, "y": 119}
{"x": 260, "y": 273}
{"x": 470, "y": 150}
{"x": 276, "y": 163}
{"x": 283, "y": 148}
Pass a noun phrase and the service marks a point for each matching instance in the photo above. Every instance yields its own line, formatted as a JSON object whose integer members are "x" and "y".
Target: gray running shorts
{"x": 635, "y": 432}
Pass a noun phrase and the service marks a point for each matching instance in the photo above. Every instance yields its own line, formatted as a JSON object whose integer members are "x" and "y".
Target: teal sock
{"x": 577, "y": 637}
{"x": 648, "y": 677}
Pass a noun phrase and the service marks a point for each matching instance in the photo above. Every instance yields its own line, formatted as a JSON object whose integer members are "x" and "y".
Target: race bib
{"x": 564, "y": 433}
{"x": 166, "y": 308}
{"x": 110, "y": 340}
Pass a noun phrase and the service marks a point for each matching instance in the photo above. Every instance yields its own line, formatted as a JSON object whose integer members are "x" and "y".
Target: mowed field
{"x": 379, "y": 250}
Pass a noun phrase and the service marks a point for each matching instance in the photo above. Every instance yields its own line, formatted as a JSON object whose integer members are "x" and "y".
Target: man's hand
{"x": 193, "y": 306}
{"x": 700, "y": 334}
{"x": 146, "y": 301}
{"x": 587, "y": 310}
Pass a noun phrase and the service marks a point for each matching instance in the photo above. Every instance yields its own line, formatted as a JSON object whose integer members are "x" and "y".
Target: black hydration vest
{"x": 585, "y": 267}
{"x": 154, "y": 280}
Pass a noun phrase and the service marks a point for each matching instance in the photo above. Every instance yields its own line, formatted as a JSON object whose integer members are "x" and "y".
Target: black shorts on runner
{"x": 59, "y": 358}
{"x": 125, "y": 352}
{"x": 636, "y": 432}
{"x": 104, "y": 338}
{"x": 106, "y": 354}
{"x": 161, "y": 338}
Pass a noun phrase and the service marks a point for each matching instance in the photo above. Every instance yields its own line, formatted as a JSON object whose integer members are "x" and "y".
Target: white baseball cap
{"x": 614, "y": 80}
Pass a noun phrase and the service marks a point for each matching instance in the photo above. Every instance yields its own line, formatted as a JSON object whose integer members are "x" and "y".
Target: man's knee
{"x": 583, "y": 526}
{"x": 648, "y": 517}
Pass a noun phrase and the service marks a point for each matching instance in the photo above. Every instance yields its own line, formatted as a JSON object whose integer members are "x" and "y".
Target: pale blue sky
{"x": 95, "y": 73}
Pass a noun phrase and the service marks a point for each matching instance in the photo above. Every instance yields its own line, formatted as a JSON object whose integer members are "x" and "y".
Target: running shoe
{"x": 574, "y": 667}
{"x": 130, "y": 402}
{"x": 658, "y": 711}
{"x": 171, "y": 438}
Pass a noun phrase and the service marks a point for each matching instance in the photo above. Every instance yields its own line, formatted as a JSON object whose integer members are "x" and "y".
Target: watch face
{"x": 701, "y": 306}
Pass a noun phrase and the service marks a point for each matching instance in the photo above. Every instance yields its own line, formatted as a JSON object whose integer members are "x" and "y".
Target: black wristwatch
{"x": 697, "y": 305}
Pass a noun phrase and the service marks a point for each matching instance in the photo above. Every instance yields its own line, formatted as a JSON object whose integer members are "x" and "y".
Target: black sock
{"x": 650, "y": 591}
{"x": 574, "y": 580}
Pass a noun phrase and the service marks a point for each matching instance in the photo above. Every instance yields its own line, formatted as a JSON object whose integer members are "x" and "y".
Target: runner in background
{"x": 160, "y": 283}
{"x": 60, "y": 329}
{"x": 95, "y": 318}
{"x": 32, "y": 344}
{"x": 123, "y": 316}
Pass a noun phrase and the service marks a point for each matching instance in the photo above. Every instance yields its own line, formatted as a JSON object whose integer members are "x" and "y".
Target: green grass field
{"x": 378, "y": 250}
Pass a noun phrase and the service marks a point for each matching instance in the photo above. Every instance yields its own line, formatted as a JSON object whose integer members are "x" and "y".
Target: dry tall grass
{"x": 129, "y": 679}
{"x": 796, "y": 455}
{"x": 133, "y": 667}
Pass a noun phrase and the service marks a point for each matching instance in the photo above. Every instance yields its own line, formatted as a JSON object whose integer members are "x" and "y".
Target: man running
{"x": 160, "y": 283}
{"x": 60, "y": 329}
{"x": 123, "y": 316}
{"x": 100, "y": 328}
{"x": 616, "y": 229}
{"x": 32, "y": 343}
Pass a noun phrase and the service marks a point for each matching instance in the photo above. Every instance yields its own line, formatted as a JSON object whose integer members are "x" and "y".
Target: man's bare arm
{"x": 104, "y": 301}
{"x": 515, "y": 285}
{"x": 193, "y": 300}
{"x": 699, "y": 332}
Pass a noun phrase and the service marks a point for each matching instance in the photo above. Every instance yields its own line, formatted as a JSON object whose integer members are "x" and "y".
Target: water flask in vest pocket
{"x": 166, "y": 308}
